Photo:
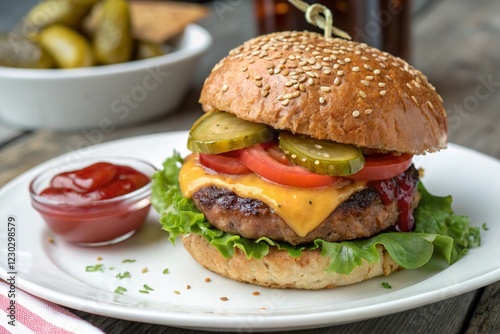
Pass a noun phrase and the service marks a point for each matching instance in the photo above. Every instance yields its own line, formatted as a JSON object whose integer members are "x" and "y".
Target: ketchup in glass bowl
{"x": 94, "y": 201}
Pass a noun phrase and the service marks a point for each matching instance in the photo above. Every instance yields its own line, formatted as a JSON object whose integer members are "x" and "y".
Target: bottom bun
{"x": 279, "y": 270}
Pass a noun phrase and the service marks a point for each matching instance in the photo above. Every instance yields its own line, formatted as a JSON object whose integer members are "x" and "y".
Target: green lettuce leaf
{"x": 438, "y": 230}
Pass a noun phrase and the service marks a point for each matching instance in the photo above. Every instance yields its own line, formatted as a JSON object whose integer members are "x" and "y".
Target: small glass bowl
{"x": 97, "y": 223}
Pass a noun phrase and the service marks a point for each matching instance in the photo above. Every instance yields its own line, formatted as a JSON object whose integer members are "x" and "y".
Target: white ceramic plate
{"x": 56, "y": 272}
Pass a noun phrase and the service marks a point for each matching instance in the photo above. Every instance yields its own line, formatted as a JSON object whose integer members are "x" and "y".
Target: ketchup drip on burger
{"x": 401, "y": 188}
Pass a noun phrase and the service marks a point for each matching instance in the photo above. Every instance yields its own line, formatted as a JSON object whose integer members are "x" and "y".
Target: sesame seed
{"x": 325, "y": 88}
{"x": 224, "y": 299}
{"x": 310, "y": 74}
{"x": 347, "y": 60}
{"x": 225, "y": 88}
{"x": 368, "y": 111}
{"x": 340, "y": 73}
{"x": 285, "y": 102}
{"x": 287, "y": 96}
{"x": 285, "y": 72}
{"x": 306, "y": 68}
{"x": 207, "y": 279}
{"x": 355, "y": 69}
{"x": 365, "y": 58}
{"x": 355, "y": 113}
{"x": 381, "y": 84}
{"x": 362, "y": 94}
{"x": 414, "y": 99}
{"x": 336, "y": 81}
{"x": 255, "y": 293}
{"x": 430, "y": 104}
{"x": 383, "y": 92}
{"x": 341, "y": 62}
{"x": 244, "y": 69}
{"x": 321, "y": 99}
{"x": 388, "y": 77}
{"x": 369, "y": 77}
{"x": 366, "y": 83}
{"x": 270, "y": 71}
{"x": 266, "y": 87}
{"x": 296, "y": 93}
{"x": 336, "y": 66}
{"x": 409, "y": 86}
{"x": 416, "y": 84}
{"x": 368, "y": 67}
{"x": 377, "y": 71}
{"x": 302, "y": 88}
{"x": 310, "y": 81}
{"x": 382, "y": 65}
{"x": 264, "y": 93}
{"x": 289, "y": 83}
{"x": 327, "y": 71}
{"x": 258, "y": 83}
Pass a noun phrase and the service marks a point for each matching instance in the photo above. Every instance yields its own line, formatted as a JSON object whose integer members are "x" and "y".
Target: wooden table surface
{"x": 455, "y": 43}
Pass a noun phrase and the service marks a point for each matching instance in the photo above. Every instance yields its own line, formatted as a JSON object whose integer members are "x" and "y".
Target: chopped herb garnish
{"x": 128, "y": 261}
{"x": 97, "y": 267}
{"x": 166, "y": 271}
{"x": 386, "y": 285}
{"x": 146, "y": 287}
{"x": 144, "y": 291}
{"x": 120, "y": 290}
{"x": 485, "y": 227}
{"x": 124, "y": 275}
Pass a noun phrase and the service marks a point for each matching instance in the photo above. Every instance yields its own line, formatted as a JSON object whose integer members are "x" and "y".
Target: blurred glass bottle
{"x": 384, "y": 24}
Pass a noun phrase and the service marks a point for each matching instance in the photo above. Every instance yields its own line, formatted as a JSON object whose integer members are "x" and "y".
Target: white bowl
{"x": 103, "y": 96}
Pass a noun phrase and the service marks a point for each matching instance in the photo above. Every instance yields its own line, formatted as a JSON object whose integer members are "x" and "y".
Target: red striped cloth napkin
{"x": 35, "y": 315}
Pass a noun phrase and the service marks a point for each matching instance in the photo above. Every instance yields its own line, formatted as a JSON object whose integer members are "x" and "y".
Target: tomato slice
{"x": 224, "y": 163}
{"x": 262, "y": 162}
{"x": 381, "y": 168}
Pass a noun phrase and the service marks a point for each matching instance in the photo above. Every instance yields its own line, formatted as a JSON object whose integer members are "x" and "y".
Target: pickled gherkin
{"x": 67, "y": 47}
{"x": 321, "y": 156}
{"x": 219, "y": 132}
{"x": 50, "y": 12}
{"x": 112, "y": 38}
{"x": 19, "y": 51}
{"x": 145, "y": 49}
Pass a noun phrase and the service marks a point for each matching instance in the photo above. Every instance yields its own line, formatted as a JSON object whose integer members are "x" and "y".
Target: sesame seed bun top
{"x": 330, "y": 89}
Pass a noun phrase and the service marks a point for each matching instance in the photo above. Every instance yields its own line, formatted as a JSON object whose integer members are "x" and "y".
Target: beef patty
{"x": 362, "y": 215}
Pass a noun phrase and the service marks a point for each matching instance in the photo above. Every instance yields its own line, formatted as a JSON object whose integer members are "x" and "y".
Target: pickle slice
{"x": 218, "y": 132}
{"x": 321, "y": 156}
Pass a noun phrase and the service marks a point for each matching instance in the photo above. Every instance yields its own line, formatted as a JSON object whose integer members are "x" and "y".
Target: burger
{"x": 301, "y": 172}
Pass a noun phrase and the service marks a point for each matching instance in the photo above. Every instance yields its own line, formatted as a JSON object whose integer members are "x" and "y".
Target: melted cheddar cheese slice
{"x": 303, "y": 209}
